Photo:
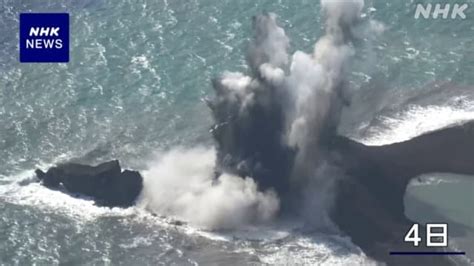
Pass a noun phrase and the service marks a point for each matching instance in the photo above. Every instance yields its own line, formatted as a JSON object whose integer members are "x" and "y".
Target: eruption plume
{"x": 270, "y": 125}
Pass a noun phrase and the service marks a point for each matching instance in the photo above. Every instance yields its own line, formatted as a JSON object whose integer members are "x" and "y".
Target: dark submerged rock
{"x": 105, "y": 183}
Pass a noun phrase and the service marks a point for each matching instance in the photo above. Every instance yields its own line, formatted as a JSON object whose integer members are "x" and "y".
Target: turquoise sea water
{"x": 134, "y": 85}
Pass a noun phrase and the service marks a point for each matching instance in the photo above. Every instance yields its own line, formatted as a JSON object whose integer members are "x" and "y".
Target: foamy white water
{"x": 414, "y": 121}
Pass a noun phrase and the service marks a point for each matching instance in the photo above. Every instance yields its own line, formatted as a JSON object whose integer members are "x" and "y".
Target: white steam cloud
{"x": 317, "y": 81}
{"x": 181, "y": 184}
{"x": 270, "y": 44}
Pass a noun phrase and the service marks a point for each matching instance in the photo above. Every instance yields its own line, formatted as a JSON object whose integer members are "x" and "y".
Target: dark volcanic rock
{"x": 106, "y": 182}
{"x": 370, "y": 202}
{"x": 251, "y": 144}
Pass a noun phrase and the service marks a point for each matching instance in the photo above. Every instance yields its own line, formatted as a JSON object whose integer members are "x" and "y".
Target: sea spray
{"x": 180, "y": 183}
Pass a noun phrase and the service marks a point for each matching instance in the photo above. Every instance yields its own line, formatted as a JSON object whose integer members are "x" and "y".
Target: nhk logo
{"x": 39, "y": 43}
{"x": 44, "y": 37}
{"x": 453, "y": 11}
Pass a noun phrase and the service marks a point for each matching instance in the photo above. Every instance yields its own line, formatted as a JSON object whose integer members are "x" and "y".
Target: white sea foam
{"x": 35, "y": 194}
{"x": 415, "y": 121}
{"x": 314, "y": 250}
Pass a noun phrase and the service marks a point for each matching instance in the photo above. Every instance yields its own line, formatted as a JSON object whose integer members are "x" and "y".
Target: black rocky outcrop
{"x": 369, "y": 203}
{"x": 106, "y": 183}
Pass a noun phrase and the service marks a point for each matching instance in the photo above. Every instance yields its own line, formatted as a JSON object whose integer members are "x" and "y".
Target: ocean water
{"x": 134, "y": 85}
